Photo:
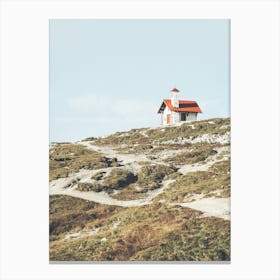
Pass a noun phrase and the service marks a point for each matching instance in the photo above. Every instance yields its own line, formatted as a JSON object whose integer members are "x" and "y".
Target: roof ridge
{"x": 194, "y": 109}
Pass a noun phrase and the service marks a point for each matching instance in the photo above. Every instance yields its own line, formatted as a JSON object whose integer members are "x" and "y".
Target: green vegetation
{"x": 130, "y": 186}
{"x": 200, "y": 182}
{"x": 131, "y": 137}
{"x": 115, "y": 180}
{"x": 131, "y": 192}
{"x": 163, "y": 230}
{"x": 152, "y": 232}
{"x": 197, "y": 128}
{"x": 136, "y": 148}
{"x": 86, "y": 187}
{"x": 67, "y": 213}
{"x": 69, "y": 158}
{"x": 89, "y": 139}
{"x": 151, "y": 176}
{"x": 193, "y": 242}
{"x": 119, "y": 178}
{"x": 98, "y": 176}
{"x": 198, "y": 154}
{"x": 144, "y": 139}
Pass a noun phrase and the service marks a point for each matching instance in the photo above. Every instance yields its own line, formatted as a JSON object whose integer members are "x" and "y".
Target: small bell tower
{"x": 174, "y": 97}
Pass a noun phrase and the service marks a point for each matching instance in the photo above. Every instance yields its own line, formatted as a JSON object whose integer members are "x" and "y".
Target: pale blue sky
{"x": 111, "y": 75}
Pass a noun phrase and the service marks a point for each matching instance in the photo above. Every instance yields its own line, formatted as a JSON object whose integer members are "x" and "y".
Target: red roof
{"x": 184, "y": 106}
{"x": 175, "y": 90}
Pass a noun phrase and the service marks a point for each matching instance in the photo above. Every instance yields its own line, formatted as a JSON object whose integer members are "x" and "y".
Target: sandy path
{"x": 206, "y": 165}
{"x": 218, "y": 207}
{"x": 130, "y": 160}
{"x": 59, "y": 187}
{"x": 101, "y": 197}
{"x": 211, "y": 206}
{"x": 124, "y": 158}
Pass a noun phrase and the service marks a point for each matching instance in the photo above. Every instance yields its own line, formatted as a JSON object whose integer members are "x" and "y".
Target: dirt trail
{"x": 211, "y": 206}
{"x": 206, "y": 165}
{"x": 101, "y": 197}
{"x": 59, "y": 187}
{"x": 67, "y": 186}
{"x": 130, "y": 160}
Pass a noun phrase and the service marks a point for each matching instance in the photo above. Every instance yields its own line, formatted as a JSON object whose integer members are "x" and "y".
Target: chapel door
{"x": 168, "y": 118}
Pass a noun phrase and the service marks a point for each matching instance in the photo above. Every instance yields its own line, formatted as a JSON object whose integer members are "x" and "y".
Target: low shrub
{"x": 198, "y": 154}
{"x": 119, "y": 178}
{"x": 86, "y": 187}
{"x": 147, "y": 233}
{"x": 151, "y": 176}
{"x": 67, "y": 213}
{"x": 200, "y": 182}
{"x": 98, "y": 176}
{"x": 89, "y": 139}
{"x": 66, "y": 159}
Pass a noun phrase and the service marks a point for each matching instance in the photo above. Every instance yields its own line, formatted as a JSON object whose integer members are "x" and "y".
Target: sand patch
{"x": 211, "y": 206}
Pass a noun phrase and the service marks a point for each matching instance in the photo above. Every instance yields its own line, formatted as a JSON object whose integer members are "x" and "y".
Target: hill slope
{"x": 145, "y": 194}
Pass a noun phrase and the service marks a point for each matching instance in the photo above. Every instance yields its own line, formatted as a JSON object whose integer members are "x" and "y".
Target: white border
{"x": 255, "y": 137}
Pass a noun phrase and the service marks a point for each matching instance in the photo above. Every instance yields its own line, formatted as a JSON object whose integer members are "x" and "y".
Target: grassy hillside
{"x": 153, "y": 232}
{"x": 160, "y": 171}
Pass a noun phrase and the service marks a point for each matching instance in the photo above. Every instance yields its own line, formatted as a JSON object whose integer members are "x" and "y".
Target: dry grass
{"x": 134, "y": 139}
{"x": 197, "y": 154}
{"x": 67, "y": 213}
{"x": 153, "y": 232}
{"x": 201, "y": 182}
{"x": 118, "y": 179}
{"x": 186, "y": 130}
{"x": 98, "y": 176}
{"x": 87, "y": 187}
{"x": 131, "y": 137}
{"x": 131, "y": 192}
{"x": 149, "y": 178}
{"x": 142, "y": 148}
{"x": 160, "y": 231}
{"x": 66, "y": 159}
